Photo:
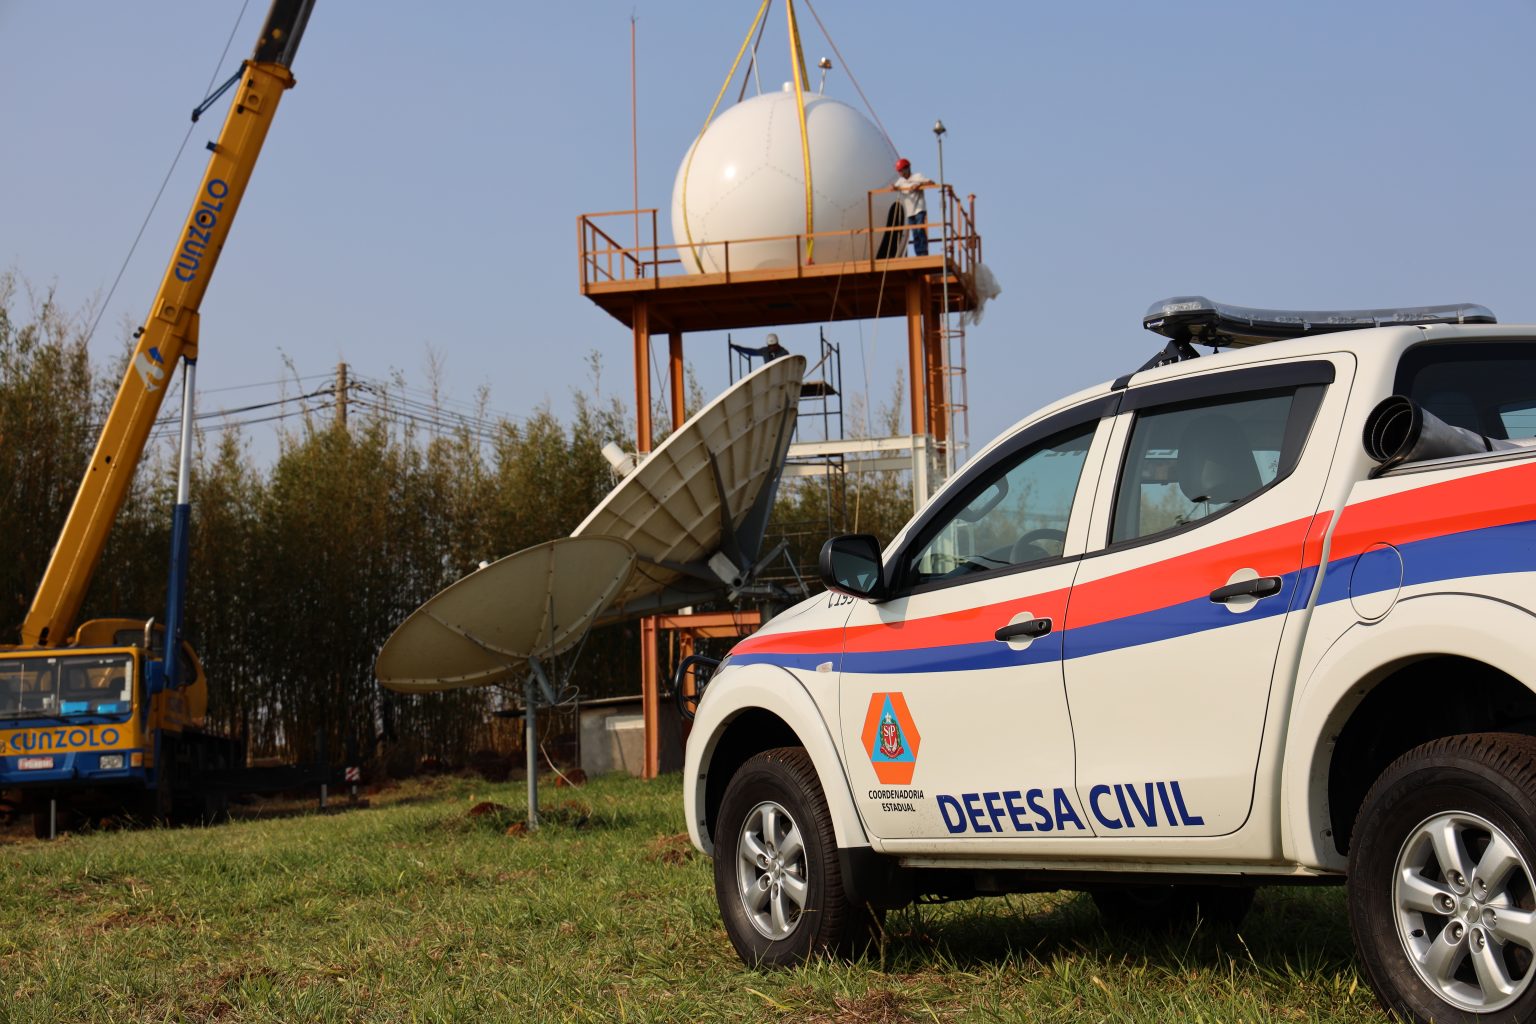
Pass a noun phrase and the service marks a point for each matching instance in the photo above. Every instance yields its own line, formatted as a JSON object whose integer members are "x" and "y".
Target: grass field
{"x": 412, "y": 910}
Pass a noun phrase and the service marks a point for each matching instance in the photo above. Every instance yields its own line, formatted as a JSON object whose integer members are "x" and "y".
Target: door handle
{"x": 1264, "y": 586}
{"x": 1029, "y": 629}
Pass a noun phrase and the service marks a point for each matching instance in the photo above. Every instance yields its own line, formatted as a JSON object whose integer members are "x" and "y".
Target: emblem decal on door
{"x": 891, "y": 739}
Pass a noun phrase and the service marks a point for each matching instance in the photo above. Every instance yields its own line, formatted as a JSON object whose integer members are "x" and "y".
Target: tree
{"x": 46, "y": 417}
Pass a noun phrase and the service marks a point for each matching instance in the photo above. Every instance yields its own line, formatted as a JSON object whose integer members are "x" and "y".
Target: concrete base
{"x": 626, "y": 739}
{"x": 613, "y": 737}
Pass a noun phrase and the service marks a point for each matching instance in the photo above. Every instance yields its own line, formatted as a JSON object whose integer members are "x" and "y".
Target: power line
{"x": 167, "y": 426}
{"x": 429, "y": 397}
{"x": 265, "y": 383}
{"x": 435, "y": 407}
{"x": 429, "y": 413}
{"x": 235, "y": 424}
{"x": 391, "y": 402}
{"x": 487, "y": 433}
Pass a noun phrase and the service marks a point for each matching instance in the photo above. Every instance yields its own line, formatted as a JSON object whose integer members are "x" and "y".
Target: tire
{"x": 1442, "y": 881}
{"x": 203, "y": 803}
{"x": 1173, "y": 907}
{"x": 160, "y": 802}
{"x": 785, "y": 905}
{"x": 215, "y": 807}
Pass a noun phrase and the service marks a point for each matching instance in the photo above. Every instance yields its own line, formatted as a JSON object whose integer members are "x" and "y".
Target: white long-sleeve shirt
{"x": 913, "y": 198}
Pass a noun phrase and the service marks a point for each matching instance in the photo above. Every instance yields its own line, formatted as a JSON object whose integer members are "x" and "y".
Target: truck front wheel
{"x": 1442, "y": 892}
{"x": 777, "y": 877}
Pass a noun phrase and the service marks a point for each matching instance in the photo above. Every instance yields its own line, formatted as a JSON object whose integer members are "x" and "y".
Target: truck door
{"x": 1177, "y": 613}
{"x": 949, "y": 732}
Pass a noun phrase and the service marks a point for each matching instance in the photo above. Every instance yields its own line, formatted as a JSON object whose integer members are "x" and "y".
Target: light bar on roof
{"x": 1195, "y": 318}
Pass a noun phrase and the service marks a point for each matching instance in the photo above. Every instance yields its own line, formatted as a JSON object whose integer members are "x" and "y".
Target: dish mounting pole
{"x": 537, "y": 684}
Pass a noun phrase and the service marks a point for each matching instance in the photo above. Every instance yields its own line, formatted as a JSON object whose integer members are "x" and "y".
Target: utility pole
{"x": 341, "y": 395}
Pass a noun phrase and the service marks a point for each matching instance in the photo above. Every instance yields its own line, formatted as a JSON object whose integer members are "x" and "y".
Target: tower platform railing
{"x": 606, "y": 263}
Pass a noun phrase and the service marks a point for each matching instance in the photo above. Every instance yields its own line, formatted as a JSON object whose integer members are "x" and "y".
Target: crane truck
{"x": 96, "y": 716}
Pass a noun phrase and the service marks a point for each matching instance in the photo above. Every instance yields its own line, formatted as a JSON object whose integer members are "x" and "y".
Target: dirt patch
{"x": 133, "y": 919}
{"x": 880, "y": 1007}
{"x": 673, "y": 849}
{"x": 216, "y": 1004}
{"x": 572, "y": 814}
{"x": 485, "y": 807}
{"x": 570, "y": 777}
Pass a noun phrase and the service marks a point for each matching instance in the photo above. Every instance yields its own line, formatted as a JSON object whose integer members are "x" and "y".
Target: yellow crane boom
{"x": 170, "y": 330}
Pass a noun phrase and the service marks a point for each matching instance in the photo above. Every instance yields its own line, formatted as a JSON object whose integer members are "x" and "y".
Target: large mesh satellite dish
{"x": 686, "y": 523}
{"x": 703, "y": 493}
{"x": 484, "y": 628}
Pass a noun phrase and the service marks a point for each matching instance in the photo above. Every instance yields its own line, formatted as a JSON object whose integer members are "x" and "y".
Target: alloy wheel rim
{"x": 1464, "y": 905}
{"x": 771, "y": 872}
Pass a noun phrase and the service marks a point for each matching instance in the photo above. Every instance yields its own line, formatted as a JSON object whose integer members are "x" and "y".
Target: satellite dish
{"x": 704, "y": 492}
{"x": 484, "y": 628}
{"x": 683, "y": 524}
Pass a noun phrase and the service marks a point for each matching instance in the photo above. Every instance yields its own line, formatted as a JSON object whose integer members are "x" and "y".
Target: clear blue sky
{"x": 421, "y": 185}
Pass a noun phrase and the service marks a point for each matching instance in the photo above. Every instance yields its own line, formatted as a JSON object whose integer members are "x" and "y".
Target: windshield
{"x": 66, "y": 686}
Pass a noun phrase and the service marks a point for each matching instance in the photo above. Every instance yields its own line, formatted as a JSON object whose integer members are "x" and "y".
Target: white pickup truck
{"x": 1227, "y": 621}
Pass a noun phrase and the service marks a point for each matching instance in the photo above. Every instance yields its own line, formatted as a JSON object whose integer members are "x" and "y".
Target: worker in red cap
{"x": 914, "y": 203}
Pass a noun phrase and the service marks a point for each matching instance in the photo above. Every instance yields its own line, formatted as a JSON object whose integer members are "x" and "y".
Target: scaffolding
{"x": 816, "y": 451}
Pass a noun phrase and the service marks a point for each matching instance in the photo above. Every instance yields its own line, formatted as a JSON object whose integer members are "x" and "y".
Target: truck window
{"x": 1488, "y": 387}
{"x": 67, "y": 685}
{"x": 97, "y": 679}
{"x": 28, "y": 687}
{"x": 1193, "y": 460}
{"x": 1014, "y": 515}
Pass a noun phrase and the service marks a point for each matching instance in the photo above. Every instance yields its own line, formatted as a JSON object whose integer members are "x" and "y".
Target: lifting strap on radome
{"x": 848, "y": 68}
{"x": 762, "y": 12}
{"x": 797, "y": 62}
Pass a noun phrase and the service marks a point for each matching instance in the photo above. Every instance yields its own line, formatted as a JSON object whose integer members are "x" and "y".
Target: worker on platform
{"x": 914, "y": 202}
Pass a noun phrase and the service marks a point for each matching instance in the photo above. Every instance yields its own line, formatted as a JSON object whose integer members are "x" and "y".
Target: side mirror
{"x": 850, "y": 565}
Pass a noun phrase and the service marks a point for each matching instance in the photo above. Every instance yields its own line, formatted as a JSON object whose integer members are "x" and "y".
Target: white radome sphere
{"x": 747, "y": 180}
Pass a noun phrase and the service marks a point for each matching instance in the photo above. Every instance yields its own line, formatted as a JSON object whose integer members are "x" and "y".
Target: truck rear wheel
{"x": 777, "y": 877}
{"x": 215, "y": 807}
{"x": 1442, "y": 881}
